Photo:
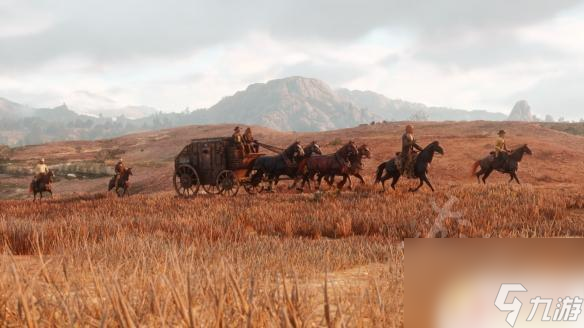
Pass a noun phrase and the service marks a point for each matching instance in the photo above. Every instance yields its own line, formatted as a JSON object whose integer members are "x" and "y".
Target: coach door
{"x": 205, "y": 163}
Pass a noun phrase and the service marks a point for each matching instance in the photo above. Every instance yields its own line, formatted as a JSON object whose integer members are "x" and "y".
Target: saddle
{"x": 406, "y": 170}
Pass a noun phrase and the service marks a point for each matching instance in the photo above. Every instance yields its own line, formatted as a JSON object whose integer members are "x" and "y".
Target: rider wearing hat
{"x": 120, "y": 168}
{"x": 248, "y": 142}
{"x": 237, "y": 138}
{"x": 409, "y": 145}
{"x": 501, "y": 150}
{"x": 40, "y": 169}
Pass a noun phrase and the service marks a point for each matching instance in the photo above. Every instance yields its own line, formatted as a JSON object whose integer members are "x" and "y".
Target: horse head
{"x": 364, "y": 151}
{"x": 294, "y": 151}
{"x": 435, "y": 148}
{"x": 349, "y": 150}
{"x": 313, "y": 148}
{"x": 526, "y": 150}
{"x": 50, "y": 175}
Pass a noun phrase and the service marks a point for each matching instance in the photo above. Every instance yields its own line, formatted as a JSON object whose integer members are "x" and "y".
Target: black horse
{"x": 508, "y": 165}
{"x": 296, "y": 173}
{"x": 123, "y": 183}
{"x": 422, "y": 161}
{"x": 273, "y": 167}
{"x": 42, "y": 184}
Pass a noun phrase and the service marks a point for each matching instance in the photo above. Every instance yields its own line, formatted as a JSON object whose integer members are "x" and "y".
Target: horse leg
{"x": 486, "y": 175}
{"x": 360, "y": 177}
{"x": 294, "y": 183}
{"x": 341, "y": 183}
{"x": 478, "y": 175}
{"x": 514, "y": 175}
{"x": 319, "y": 180}
{"x": 427, "y": 181}
{"x": 394, "y": 180}
{"x": 384, "y": 178}
{"x": 418, "y": 187}
{"x": 330, "y": 179}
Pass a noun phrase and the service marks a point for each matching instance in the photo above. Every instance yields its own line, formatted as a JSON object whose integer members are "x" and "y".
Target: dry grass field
{"x": 87, "y": 258}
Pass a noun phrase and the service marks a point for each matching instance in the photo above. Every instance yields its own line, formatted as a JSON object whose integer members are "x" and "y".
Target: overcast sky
{"x": 472, "y": 54}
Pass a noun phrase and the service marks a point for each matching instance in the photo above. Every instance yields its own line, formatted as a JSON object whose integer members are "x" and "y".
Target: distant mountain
{"x": 292, "y": 104}
{"x": 12, "y": 110}
{"x": 288, "y": 104}
{"x": 399, "y": 110}
{"x": 521, "y": 112}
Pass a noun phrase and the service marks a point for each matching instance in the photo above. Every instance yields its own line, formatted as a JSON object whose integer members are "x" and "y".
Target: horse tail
{"x": 475, "y": 166}
{"x": 380, "y": 169}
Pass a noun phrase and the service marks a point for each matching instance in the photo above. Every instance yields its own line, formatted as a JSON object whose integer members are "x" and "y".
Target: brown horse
{"x": 42, "y": 184}
{"x": 354, "y": 170}
{"x": 508, "y": 165}
{"x": 313, "y": 149}
{"x": 123, "y": 183}
{"x": 337, "y": 163}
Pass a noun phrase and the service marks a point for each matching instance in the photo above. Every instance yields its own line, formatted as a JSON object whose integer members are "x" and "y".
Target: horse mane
{"x": 431, "y": 145}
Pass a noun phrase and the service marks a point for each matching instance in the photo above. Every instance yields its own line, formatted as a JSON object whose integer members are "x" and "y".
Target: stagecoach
{"x": 217, "y": 165}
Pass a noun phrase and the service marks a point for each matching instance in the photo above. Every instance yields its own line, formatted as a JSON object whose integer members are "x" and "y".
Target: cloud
{"x": 108, "y": 30}
{"x": 178, "y": 53}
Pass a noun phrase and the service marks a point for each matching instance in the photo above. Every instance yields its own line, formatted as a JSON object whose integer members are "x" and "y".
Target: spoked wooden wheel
{"x": 212, "y": 189}
{"x": 227, "y": 183}
{"x": 254, "y": 187}
{"x": 186, "y": 181}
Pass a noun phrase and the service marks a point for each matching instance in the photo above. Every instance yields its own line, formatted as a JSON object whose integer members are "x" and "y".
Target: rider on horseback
{"x": 501, "y": 151}
{"x": 40, "y": 170}
{"x": 407, "y": 153}
{"x": 120, "y": 168}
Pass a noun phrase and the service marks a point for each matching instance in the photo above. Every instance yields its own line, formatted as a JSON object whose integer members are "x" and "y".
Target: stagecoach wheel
{"x": 254, "y": 187}
{"x": 212, "y": 189}
{"x": 227, "y": 182}
{"x": 186, "y": 181}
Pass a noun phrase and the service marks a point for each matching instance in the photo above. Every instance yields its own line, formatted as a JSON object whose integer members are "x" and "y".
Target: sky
{"x": 173, "y": 54}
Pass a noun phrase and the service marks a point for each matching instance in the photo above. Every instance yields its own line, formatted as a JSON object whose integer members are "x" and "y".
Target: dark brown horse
{"x": 123, "y": 183}
{"x": 420, "y": 168}
{"x": 337, "y": 163}
{"x": 508, "y": 165}
{"x": 354, "y": 170}
{"x": 42, "y": 184}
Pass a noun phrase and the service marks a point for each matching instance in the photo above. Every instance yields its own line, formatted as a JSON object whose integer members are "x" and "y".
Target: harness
{"x": 288, "y": 162}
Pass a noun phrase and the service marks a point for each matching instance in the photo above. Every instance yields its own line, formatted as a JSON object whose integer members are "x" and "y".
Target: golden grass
{"x": 268, "y": 260}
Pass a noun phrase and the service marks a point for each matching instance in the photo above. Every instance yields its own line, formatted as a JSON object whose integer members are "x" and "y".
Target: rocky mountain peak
{"x": 521, "y": 112}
